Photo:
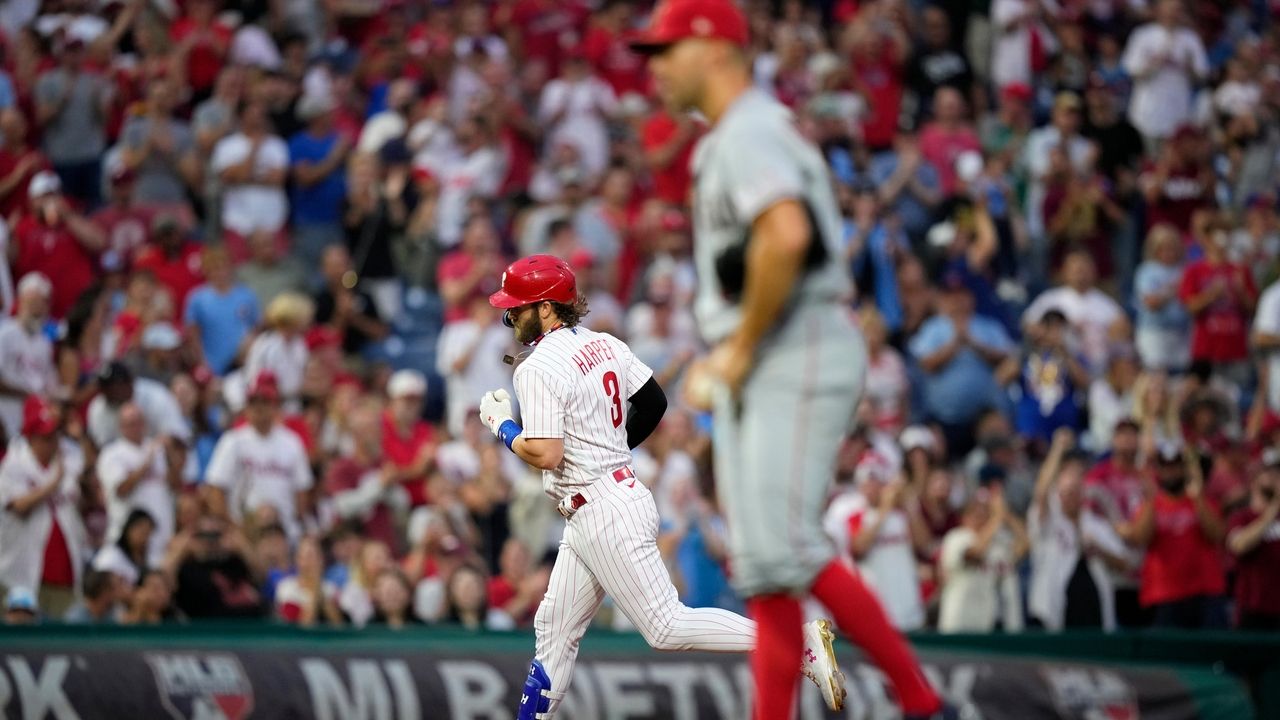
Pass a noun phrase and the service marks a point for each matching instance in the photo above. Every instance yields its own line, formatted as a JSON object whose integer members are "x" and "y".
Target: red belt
{"x": 625, "y": 473}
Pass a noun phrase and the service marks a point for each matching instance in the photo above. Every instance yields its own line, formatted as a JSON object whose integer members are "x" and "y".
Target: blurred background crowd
{"x": 249, "y": 245}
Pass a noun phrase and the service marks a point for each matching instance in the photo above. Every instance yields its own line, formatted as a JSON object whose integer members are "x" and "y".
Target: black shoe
{"x": 946, "y": 713}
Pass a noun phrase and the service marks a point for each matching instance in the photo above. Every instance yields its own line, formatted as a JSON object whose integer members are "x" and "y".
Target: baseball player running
{"x": 787, "y": 366}
{"x": 586, "y": 401}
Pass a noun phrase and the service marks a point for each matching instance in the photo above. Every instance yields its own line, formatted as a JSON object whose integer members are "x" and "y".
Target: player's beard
{"x": 528, "y": 328}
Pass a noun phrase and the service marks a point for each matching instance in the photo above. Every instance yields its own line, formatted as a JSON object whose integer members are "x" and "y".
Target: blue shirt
{"x": 916, "y": 217}
{"x": 956, "y": 392}
{"x": 879, "y": 251}
{"x": 1153, "y": 277}
{"x": 705, "y": 584}
{"x": 223, "y": 321}
{"x": 1048, "y": 398}
{"x": 320, "y": 204}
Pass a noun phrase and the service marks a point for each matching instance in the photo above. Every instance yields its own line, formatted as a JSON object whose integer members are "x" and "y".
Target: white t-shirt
{"x": 1162, "y": 101}
{"x": 584, "y": 104}
{"x": 1011, "y": 49}
{"x": 290, "y": 592}
{"x": 1056, "y": 544}
{"x": 889, "y": 568}
{"x": 575, "y": 385}
{"x": 26, "y": 361}
{"x": 1267, "y": 320}
{"x": 483, "y": 373}
{"x": 256, "y": 470}
{"x": 158, "y": 405}
{"x": 113, "y": 560}
{"x": 286, "y": 357}
{"x": 974, "y": 596}
{"x": 22, "y": 540}
{"x": 116, "y": 461}
{"x": 1092, "y": 313}
{"x": 479, "y": 174}
{"x": 247, "y": 207}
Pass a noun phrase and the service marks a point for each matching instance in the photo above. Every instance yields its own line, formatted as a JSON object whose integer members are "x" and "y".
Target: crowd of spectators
{"x": 249, "y": 246}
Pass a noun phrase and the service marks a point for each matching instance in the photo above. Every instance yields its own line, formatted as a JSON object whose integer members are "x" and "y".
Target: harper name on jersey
{"x": 574, "y": 385}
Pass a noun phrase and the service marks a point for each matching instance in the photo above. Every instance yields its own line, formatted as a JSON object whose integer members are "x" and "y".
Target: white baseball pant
{"x": 610, "y": 546}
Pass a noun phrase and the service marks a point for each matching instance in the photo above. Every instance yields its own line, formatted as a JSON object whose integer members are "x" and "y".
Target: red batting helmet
{"x": 536, "y": 279}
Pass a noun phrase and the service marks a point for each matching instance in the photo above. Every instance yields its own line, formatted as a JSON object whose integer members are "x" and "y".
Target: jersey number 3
{"x": 614, "y": 391}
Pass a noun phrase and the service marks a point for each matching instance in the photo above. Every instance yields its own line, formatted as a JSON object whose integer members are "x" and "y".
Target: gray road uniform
{"x": 775, "y": 445}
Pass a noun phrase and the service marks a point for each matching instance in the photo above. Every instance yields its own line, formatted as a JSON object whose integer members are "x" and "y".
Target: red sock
{"x": 860, "y": 617}
{"x": 775, "y": 664}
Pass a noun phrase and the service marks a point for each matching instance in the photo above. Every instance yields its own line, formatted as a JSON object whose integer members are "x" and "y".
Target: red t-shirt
{"x": 57, "y": 559}
{"x": 1123, "y": 486}
{"x": 346, "y": 474}
{"x": 547, "y": 28}
{"x": 204, "y": 62}
{"x": 457, "y": 265}
{"x": 879, "y": 80}
{"x": 1182, "y": 194}
{"x": 1220, "y": 332}
{"x": 612, "y": 58}
{"x": 127, "y": 230}
{"x": 17, "y": 201}
{"x": 403, "y": 451}
{"x": 671, "y": 183}
{"x": 180, "y": 274}
{"x": 54, "y": 251}
{"x": 1257, "y": 575}
{"x": 941, "y": 147}
{"x": 501, "y": 592}
{"x": 1180, "y": 562}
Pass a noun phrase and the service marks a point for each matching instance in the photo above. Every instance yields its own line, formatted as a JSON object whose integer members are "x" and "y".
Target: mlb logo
{"x": 212, "y": 686}
{"x": 1083, "y": 693}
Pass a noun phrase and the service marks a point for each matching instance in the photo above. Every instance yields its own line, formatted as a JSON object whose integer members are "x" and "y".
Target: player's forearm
{"x": 1241, "y": 541}
{"x": 542, "y": 453}
{"x": 775, "y": 256}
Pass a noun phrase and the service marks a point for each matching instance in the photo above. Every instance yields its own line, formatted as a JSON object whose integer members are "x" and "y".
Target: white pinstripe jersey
{"x": 575, "y": 385}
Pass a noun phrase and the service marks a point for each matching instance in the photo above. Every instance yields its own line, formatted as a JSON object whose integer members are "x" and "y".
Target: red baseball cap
{"x": 675, "y": 20}
{"x": 265, "y": 387}
{"x": 323, "y": 336}
{"x": 38, "y": 417}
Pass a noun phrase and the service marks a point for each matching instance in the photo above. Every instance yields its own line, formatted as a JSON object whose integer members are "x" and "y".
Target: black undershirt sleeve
{"x": 648, "y": 405}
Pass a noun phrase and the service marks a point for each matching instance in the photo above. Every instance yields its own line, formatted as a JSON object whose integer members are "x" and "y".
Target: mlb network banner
{"x": 219, "y": 685}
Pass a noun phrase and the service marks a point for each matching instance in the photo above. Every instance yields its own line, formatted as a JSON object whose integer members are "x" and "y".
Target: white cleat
{"x": 819, "y": 663}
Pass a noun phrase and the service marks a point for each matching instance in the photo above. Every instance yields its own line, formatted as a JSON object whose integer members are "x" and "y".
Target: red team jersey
{"x": 1220, "y": 332}
{"x": 1180, "y": 562}
{"x": 1257, "y": 583}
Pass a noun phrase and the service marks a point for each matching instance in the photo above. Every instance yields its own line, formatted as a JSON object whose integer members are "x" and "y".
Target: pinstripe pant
{"x": 610, "y": 546}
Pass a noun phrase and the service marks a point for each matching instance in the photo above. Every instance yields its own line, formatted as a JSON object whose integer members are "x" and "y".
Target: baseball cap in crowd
{"x": 873, "y": 466}
{"x": 35, "y": 281}
{"x": 423, "y": 174}
{"x": 1066, "y": 100}
{"x": 406, "y": 383}
{"x": 991, "y": 474}
{"x": 45, "y": 182}
{"x": 1271, "y": 458}
{"x": 115, "y": 372}
{"x": 1169, "y": 451}
{"x": 1186, "y": 131}
{"x": 313, "y": 105}
{"x": 161, "y": 336}
{"x": 676, "y": 20}
{"x": 323, "y": 336}
{"x": 1127, "y": 423}
{"x": 38, "y": 417}
{"x": 917, "y": 437}
{"x": 21, "y": 599}
{"x": 121, "y": 175}
{"x": 264, "y": 387}
{"x": 1016, "y": 91}
{"x": 581, "y": 259}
